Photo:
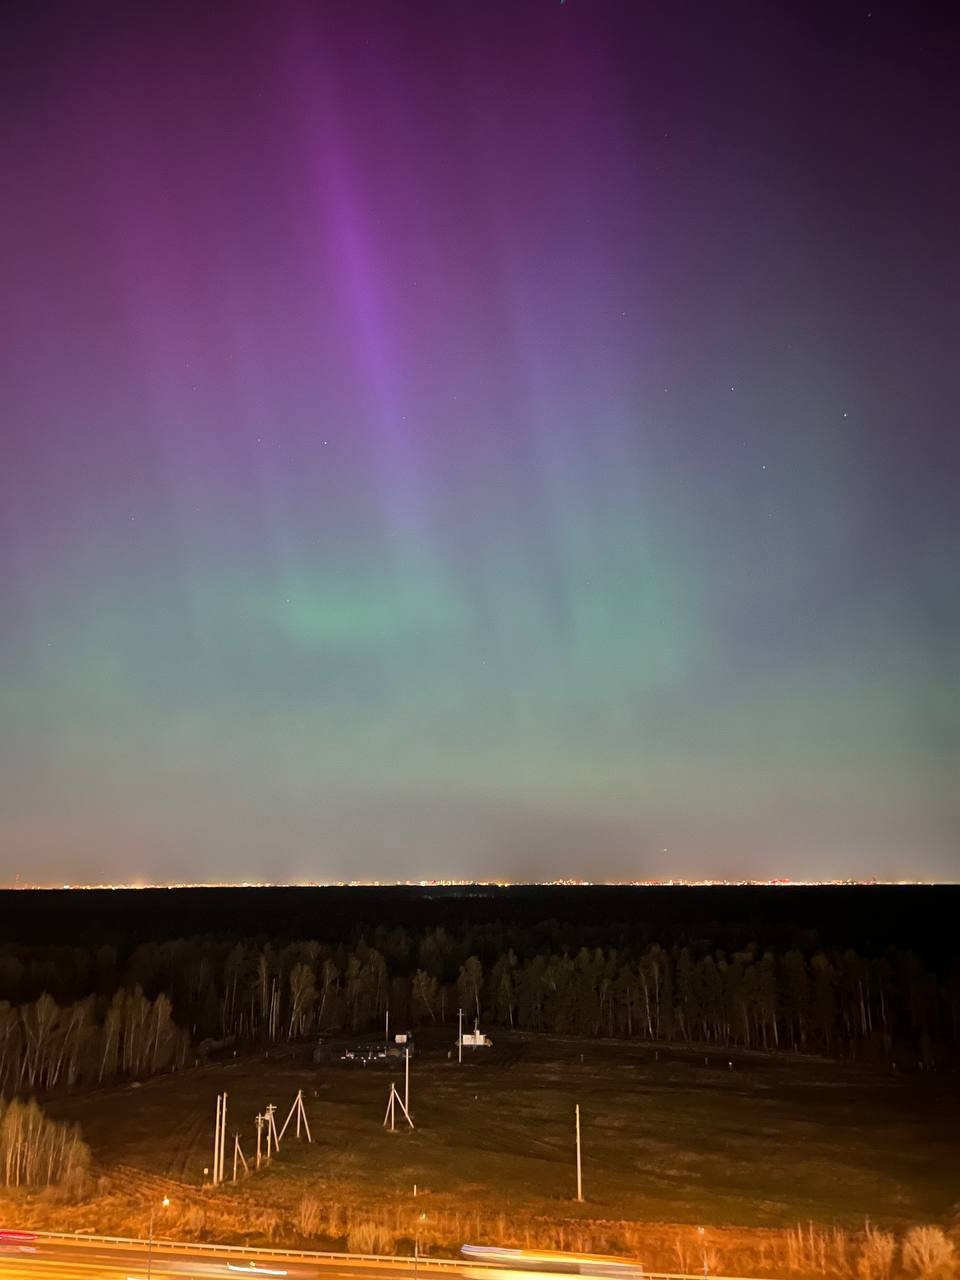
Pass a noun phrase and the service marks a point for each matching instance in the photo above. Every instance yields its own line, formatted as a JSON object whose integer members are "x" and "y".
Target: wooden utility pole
{"x": 223, "y": 1136}
{"x": 394, "y": 1101}
{"x": 272, "y": 1128}
{"x": 303, "y": 1116}
{"x": 220, "y": 1140}
{"x": 299, "y": 1111}
{"x": 259, "y": 1123}
{"x": 406, "y": 1081}
{"x": 459, "y": 1035}
{"x": 216, "y": 1142}
{"x": 579, "y": 1170}
{"x": 290, "y": 1115}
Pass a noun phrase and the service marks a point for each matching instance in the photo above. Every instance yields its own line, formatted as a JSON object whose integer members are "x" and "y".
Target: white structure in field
{"x": 476, "y": 1040}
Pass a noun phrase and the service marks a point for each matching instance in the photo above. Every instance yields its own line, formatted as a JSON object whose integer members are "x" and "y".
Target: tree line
{"x": 45, "y": 1046}
{"x": 158, "y": 1007}
{"x": 38, "y": 1152}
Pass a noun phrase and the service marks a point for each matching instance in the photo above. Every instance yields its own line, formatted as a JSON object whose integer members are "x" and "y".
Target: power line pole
{"x": 220, "y": 1140}
{"x": 394, "y": 1101}
{"x": 406, "y": 1081}
{"x": 271, "y": 1128}
{"x": 460, "y": 1035}
{"x": 290, "y": 1114}
{"x": 216, "y": 1142}
{"x": 259, "y": 1123}
{"x": 223, "y": 1135}
{"x": 300, "y": 1112}
{"x": 302, "y": 1115}
{"x": 579, "y": 1170}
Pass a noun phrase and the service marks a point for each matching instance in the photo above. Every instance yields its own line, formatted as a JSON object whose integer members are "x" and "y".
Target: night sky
{"x": 479, "y": 440}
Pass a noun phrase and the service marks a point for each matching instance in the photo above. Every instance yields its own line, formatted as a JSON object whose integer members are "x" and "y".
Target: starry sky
{"x": 479, "y": 440}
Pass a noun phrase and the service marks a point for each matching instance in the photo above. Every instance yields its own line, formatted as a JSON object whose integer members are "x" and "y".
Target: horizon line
{"x": 442, "y": 883}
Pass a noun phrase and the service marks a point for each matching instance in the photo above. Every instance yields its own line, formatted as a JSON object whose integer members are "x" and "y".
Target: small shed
{"x": 476, "y": 1040}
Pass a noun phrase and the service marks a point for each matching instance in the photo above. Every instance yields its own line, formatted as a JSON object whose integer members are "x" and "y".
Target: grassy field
{"x": 667, "y": 1136}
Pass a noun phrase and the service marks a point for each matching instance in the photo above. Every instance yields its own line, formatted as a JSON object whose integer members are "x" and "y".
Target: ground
{"x": 668, "y": 1136}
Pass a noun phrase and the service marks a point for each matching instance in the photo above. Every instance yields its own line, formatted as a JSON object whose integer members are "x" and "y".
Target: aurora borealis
{"x": 505, "y": 440}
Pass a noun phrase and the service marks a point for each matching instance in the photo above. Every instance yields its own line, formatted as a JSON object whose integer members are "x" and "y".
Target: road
{"x": 64, "y": 1260}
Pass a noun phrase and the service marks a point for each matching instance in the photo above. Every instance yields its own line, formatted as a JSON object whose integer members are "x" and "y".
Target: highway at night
{"x": 65, "y": 1260}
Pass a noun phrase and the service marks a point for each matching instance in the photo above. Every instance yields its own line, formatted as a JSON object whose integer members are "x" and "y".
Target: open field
{"x": 667, "y": 1136}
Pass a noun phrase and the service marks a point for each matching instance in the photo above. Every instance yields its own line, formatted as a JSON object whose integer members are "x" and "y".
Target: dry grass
{"x": 928, "y": 1254}
{"x": 878, "y": 1250}
{"x": 800, "y": 1253}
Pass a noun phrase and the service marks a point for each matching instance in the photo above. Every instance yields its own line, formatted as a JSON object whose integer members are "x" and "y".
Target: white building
{"x": 476, "y": 1040}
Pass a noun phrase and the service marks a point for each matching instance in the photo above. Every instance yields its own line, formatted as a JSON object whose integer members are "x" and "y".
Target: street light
{"x": 416, "y": 1247}
{"x": 164, "y": 1203}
